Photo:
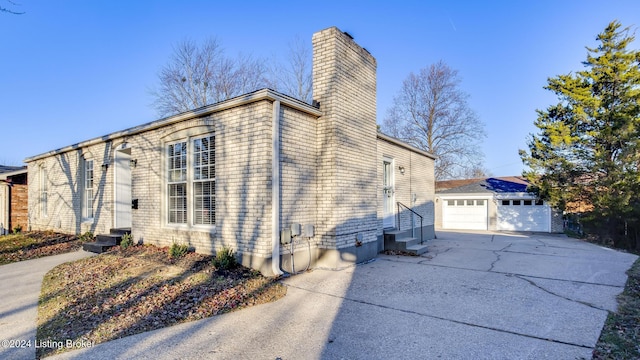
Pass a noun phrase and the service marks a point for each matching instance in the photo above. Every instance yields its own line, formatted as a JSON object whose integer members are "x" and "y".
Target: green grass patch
{"x": 620, "y": 337}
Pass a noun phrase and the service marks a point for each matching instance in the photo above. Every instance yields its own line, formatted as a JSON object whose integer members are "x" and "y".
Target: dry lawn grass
{"x": 125, "y": 292}
{"x": 620, "y": 337}
{"x": 35, "y": 244}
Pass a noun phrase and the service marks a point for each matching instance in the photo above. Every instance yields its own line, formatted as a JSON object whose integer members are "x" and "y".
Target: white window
{"x": 177, "y": 182}
{"x": 204, "y": 177}
{"x": 191, "y": 181}
{"x": 87, "y": 201}
{"x": 44, "y": 191}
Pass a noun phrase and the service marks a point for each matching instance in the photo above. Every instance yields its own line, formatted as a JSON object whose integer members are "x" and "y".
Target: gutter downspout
{"x": 275, "y": 189}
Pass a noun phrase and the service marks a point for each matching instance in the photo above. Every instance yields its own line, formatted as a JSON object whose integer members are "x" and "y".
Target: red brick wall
{"x": 18, "y": 206}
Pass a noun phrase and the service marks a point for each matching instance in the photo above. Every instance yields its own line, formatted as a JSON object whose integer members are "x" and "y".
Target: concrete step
{"x": 417, "y": 249}
{"x": 403, "y": 241}
{"x": 121, "y": 231}
{"x": 97, "y": 247}
{"x": 106, "y": 241}
{"x": 111, "y": 239}
{"x": 400, "y": 244}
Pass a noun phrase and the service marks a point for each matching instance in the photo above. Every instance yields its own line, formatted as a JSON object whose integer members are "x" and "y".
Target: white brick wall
{"x": 344, "y": 82}
{"x": 65, "y": 191}
{"x": 298, "y": 169}
{"x": 418, "y": 179}
{"x": 330, "y": 167}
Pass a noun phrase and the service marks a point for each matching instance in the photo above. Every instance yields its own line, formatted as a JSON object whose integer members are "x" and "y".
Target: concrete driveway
{"x": 20, "y": 285}
{"x": 474, "y": 295}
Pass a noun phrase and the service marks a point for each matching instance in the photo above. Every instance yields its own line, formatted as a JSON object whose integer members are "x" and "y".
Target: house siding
{"x": 242, "y": 185}
{"x": 13, "y": 201}
{"x": 18, "y": 203}
{"x": 328, "y": 168}
{"x": 299, "y": 182}
{"x": 65, "y": 191}
{"x": 414, "y": 188}
{"x": 345, "y": 85}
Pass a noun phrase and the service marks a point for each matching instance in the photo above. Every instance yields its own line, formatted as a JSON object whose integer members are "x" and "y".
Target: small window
{"x": 539, "y": 202}
{"x": 469, "y": 202}
{"x": 44, "y": 192}
{"x": 451, "y": 202}
{"x": 526, "y": 202}
{"x": 87, "y": 202}
{"x": 480, "y": 202}
{"x": 505, "y": 202}
{"x": 460, "y": 202}
{"x": 516, "y": 202}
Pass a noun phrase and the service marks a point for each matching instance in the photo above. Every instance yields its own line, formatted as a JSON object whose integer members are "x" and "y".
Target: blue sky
{"x": 75, "y": 70}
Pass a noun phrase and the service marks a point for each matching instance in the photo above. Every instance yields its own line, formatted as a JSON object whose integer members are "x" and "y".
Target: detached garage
{"x": 501, "y": 204}
{"x": 524, "y": 214}
{"x": 465, "y": 213}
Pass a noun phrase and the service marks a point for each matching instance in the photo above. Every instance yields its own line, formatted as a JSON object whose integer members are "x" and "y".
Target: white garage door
{"x": 523, "y": 215}
{"x": 464, "y": 214}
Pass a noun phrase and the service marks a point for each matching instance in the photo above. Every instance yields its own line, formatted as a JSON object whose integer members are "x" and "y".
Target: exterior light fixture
{"x": 401, "y": 168}
{"x": 133, "y": 162}
{"x": 105, "y": 166}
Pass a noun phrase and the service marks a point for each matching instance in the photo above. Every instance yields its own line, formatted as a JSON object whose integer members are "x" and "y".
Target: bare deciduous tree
{"x": 196, "y": 76}
{"x": 431, "y": 112}
{"x": 6, "y": 10}
{"x": 294, "y": 78}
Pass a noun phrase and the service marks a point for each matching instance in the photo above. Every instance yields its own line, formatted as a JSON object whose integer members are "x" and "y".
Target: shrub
{"x": 17, "y": 229}
{"x": 178, "y": 250}
{"x": 126, "y": 241}
{"x": 225, "y": 259}
{"x": 88, "y": 236}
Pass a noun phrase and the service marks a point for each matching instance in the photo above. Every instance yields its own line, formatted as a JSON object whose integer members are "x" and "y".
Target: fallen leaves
{"x": 35, "y": 244}
{"x": 621, "y": 332}
{"x": 124, "y": 292}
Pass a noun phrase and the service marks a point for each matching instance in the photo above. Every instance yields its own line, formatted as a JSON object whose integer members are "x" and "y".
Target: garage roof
{"x": 510, "y": 184}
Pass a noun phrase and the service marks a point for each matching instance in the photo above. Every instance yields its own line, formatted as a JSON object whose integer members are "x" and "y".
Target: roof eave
{"x": 405, "y": 145}
{"x": 264, "y": 94}
{"x": 7, "y": 174}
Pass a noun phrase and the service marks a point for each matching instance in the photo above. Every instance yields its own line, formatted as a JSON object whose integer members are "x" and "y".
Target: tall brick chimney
{"x": 344, "y": 83}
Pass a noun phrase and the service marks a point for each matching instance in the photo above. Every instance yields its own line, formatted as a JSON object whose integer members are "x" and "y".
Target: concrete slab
{"x": 20, "y": 285}
{"x": 474, "y": 295}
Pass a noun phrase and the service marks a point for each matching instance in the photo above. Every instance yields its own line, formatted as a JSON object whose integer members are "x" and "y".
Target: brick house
{"x": 251, "y": 173}
{"x": 13, "y": 198}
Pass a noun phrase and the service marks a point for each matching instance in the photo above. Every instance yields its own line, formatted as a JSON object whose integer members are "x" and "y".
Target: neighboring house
{"x": 250, "y": 173}
{"x": 13, "y": 198}
{"x": 493, "y": 204}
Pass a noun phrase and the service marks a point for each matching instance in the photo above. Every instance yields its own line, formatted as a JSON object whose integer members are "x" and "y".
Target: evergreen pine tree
{"x": 586, "y": 155}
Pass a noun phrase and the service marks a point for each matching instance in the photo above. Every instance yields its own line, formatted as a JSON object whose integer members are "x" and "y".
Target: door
{"x": 524, "y": 215}
{"x": 388, "y": 194}
{"x": 465, "y": 214}
{"x": 123, "y": 189}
